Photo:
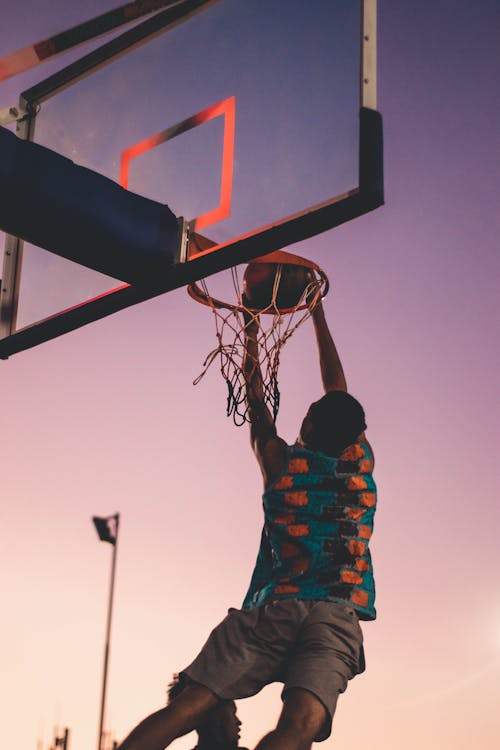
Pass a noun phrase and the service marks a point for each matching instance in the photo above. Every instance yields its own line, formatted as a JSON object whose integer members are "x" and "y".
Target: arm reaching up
{"x": 332, "y": 373}
{"x": 269, "y": 449}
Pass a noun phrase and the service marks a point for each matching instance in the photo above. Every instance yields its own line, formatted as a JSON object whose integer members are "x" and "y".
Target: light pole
{"x": 62, "y": 741}
{"x": 107, "y": 529}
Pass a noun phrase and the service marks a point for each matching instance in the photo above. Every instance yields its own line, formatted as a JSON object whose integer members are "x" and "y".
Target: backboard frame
{"x": 292, "y": 229}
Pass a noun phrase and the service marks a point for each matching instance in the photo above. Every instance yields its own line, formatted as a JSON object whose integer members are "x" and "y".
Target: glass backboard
{"x": 252, "y": 120}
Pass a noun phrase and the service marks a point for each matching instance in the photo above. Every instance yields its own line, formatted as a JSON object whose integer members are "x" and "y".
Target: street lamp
{"x": 107, "y": 530}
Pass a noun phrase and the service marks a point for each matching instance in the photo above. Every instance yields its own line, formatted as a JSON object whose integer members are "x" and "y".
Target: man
{"x": 219, "y": 729}
{"x": 313, "y": 577}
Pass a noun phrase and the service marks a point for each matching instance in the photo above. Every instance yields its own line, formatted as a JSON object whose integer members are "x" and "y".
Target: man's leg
{"x": 180, "y": 717}
{"x": 301, "y": 720}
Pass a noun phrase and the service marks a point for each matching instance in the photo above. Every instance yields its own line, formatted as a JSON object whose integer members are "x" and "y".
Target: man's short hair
{"x": 338, "y": 418}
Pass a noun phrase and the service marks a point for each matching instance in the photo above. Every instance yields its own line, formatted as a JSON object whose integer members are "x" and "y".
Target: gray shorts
{"x": 308, "y": 644}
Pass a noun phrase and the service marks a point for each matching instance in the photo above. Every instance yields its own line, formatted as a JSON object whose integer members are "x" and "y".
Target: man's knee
{"x": 303, "y": 713}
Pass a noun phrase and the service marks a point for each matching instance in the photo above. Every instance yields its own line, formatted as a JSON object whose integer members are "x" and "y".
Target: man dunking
{"x": 313, "y": 577}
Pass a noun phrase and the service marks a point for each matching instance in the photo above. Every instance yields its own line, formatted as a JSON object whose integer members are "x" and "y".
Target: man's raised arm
{"x": 268, "y": 447}
{"x": 332, "y": 373}
{"x": 261, "y": 422}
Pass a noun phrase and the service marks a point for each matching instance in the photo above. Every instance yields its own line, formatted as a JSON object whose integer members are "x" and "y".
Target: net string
{"x": 275, "y": 327}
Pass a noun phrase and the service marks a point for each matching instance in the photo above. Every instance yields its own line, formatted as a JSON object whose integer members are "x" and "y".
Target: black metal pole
{"x": 62, "y": 741}
{"x": 108, "y": 634}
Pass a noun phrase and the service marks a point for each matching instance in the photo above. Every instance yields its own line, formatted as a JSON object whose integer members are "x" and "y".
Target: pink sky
{"x": 106, "y": 419}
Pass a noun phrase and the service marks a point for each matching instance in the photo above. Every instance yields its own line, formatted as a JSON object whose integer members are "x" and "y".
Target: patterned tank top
{"x": 318, "y": 523}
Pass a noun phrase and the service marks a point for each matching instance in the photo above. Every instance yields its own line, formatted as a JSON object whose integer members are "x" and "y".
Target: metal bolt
{"x": 367, "y": 38}
{"x": 365, "y": 80}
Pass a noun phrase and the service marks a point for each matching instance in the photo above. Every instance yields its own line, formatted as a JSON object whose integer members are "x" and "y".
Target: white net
{"x": 275, "y": 327}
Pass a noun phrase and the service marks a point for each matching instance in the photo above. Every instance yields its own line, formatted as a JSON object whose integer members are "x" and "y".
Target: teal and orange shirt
{"x": 318, "y": 523}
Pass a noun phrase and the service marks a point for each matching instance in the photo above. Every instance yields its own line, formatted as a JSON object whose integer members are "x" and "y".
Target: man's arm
{"x": 268, "y": 447}
{"x": 332, "y": 373}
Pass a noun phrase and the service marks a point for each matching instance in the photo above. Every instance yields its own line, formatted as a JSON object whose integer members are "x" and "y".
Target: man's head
{"x": 332, "y": 423}
{"x": 220, "y": 729}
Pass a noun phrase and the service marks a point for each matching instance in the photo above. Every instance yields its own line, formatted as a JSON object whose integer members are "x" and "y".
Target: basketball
{"x": 258, "y": 284}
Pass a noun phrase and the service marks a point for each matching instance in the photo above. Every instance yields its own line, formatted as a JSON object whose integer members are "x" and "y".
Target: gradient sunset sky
{"x": 106, "y": 419}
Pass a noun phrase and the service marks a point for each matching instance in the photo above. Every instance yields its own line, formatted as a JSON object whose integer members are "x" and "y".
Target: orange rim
{"x": 279, "y": 257}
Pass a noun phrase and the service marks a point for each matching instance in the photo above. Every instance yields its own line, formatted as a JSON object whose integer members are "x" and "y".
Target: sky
{"x": 106, "y": 420}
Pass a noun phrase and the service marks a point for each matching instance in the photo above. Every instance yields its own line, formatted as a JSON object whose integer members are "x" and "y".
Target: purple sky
{"x": 106, "y": 419}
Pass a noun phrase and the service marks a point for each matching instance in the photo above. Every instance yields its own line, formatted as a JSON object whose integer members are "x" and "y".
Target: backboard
{"x": 254, "y": 121}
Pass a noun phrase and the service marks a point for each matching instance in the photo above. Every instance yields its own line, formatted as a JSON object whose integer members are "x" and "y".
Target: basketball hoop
{"x": 273, "y": 287}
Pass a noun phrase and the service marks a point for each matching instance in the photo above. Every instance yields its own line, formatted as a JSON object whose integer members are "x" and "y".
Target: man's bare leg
{"x": 300, "y": 722}
{"x": 180, "y": 717}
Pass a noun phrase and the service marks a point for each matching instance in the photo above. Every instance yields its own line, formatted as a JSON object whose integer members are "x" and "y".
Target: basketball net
{"x": 275, "y": 327}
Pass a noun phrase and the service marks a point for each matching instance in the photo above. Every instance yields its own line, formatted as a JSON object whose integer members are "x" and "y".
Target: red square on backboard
{"x": 225, "y": 108}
